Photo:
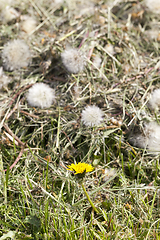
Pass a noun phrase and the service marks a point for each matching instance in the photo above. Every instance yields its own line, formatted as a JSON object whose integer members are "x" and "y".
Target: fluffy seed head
{"x": 73, "y": 59}
{"x": 154, "y": 101}
{"x": 153, "y": 5}
{"x": 40, "y": 95}
{"x": 4, "y": 3}
{"x": 8, "y": 14}
{"x": 16, "y": 55}
{"x": 4, "y": 79}
{"x": 153, "y": 34}
{"x": 92, "y": 116}
{"x": 149, "y": 139}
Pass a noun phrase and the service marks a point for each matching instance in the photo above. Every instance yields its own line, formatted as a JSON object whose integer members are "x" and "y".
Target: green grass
{"x": 39, "y": 198}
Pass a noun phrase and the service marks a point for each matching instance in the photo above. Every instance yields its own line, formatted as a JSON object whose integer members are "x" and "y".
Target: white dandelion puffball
{"x": 92, "y": 116}
{"x": 73, "y": 59}
{"x": 153, "y": 34}
{"x": 149, "y": 139}
{"x": 41, "y": 95}
{"x": 16, "y": 55}
{"x": 4, "y": 79}
{"x": 8, "y": 14}
{"x": 153, "y": 5}
{"x": 4, "y": 3}
{"x": 154, "y": 101}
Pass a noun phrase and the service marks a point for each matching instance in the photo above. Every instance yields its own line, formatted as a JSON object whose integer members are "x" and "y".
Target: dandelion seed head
{"x": 92, "y": 116}
{"x": 148, "y": 139}
{"x": 153, "y": 34}
{"x": 41, "y": 95}
{"x": 154, "y": 101}
{"x": 8, "y": 14}
{"x": 4, "y": 3}
{"x": 153, "y": 5}
{"x": 16, "y": 55}
{"x": 73, "y": 59}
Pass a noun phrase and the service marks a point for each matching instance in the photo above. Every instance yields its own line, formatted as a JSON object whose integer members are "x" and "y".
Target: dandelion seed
{"x": 109, "y": 47}
{"x": 41, "y": 95}
{"x": 80, "y": 168}
{"x": 16, "y": 55}
{"x": 92, "y": 116}
{"x": 153, "y": 33}
{"x": 4, "y": 79}
{"x": 73, "y": 59}
{"x": 85, "y": 8}
{"x": 97, "y": 61}
{"x": 108, "y": 173}
{"x": 59, "y": 1}
{"x": 76, "y": 91}
{"x": 149, "y": 139}
{"x": 8, "y": 14}
{"x": 153, "y": 5}
{"x": 28, "y": 24}
{"x": 4, "y": 3}
{"x": 154, "y": 101}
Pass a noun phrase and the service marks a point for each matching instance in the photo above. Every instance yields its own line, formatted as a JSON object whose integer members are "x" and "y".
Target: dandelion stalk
{"x": 80, "y": 170}
{"x": 90, "y": 201}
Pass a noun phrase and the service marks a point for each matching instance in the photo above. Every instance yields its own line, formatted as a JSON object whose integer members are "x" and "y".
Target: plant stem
{"x": 90, "y": 201}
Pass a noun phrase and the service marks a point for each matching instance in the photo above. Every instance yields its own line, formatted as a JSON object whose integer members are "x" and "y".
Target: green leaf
{"x": 10, "y": 234}
{"x": 109, "y": 131}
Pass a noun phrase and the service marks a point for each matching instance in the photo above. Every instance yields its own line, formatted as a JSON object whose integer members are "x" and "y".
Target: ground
{"x": 39, "y": 197}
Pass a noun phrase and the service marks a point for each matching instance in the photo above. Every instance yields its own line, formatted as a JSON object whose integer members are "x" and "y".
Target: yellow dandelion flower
{"x": 80, "y": 168}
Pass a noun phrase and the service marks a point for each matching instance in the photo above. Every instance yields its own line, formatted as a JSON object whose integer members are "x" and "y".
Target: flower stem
{"x": 90, "y": 201}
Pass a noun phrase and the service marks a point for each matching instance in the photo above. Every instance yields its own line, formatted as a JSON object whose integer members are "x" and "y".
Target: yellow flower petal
{"x": 79, "y": 168}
